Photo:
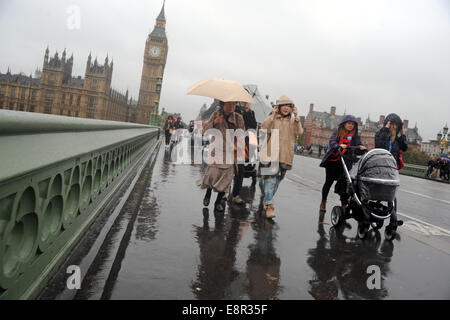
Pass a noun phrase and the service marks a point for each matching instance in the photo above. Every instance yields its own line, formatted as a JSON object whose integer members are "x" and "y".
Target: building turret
{"x": 88, "y": 63}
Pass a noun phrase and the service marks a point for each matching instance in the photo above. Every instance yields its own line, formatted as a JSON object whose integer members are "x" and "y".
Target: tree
{"x": 416, "y": 157}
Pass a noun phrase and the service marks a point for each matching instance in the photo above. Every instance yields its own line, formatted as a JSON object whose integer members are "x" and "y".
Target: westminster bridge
{"x": 105, "y": 199}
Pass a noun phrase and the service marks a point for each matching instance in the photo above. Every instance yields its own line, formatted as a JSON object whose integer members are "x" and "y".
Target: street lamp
{"x": 442, "y": 138}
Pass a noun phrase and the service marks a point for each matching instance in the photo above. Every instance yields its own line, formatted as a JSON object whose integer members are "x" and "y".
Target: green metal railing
{"x": 408, "y": 169}
{"x": 56, "y": 175}
{"x": 414, "y": 170}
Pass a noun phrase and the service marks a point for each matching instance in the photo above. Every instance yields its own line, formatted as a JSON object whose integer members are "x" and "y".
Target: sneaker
{"x": 270, "y": 211}
{"x": 238, "y": 200}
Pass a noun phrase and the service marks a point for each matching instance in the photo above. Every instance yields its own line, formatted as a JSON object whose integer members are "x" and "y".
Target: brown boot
{"x": 323, "y": 205}
{"x": 270, "y": 211}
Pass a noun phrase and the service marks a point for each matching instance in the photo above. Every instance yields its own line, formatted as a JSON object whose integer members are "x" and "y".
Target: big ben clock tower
{"x": 155, "y": 57}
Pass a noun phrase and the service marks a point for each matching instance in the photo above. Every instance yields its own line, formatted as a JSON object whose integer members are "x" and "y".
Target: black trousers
{"x": 219, "y": 195}
{"x": 334, "y": 172}
{"x": 238, "y": 179}
{"x": 168, "y": 135}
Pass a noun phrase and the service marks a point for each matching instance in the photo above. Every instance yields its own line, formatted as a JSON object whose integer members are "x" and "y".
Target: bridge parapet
{"x": 414, "y": 170}
{"x": 56, "y": 174}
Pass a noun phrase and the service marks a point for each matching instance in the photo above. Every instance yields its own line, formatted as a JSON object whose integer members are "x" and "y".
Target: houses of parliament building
{"x": 53, "y": 90}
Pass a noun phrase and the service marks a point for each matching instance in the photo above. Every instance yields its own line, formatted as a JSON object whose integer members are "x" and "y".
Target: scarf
{"x": 347, "y": 140}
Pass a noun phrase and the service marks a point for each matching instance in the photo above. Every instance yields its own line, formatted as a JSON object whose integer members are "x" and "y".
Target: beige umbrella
{"x": 223, "y": 90}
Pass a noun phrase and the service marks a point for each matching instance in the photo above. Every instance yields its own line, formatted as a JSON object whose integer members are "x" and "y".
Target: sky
{"x": 366, "y": 57}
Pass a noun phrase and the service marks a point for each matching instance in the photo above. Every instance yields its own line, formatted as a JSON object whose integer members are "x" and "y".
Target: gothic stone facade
{"x": 55, "y": 91}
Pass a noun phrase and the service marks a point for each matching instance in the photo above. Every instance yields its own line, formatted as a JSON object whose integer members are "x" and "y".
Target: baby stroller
{"x": 371, "y": 185}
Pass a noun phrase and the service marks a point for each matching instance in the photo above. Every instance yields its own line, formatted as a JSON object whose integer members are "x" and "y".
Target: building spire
{"x": 162, "y": 15}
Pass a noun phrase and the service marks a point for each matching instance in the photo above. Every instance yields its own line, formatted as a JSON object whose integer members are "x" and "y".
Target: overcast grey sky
{"x": 366, "y": 56}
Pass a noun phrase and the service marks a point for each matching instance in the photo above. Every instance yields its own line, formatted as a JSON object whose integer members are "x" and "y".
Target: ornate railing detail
{"x": 45, "y": 210}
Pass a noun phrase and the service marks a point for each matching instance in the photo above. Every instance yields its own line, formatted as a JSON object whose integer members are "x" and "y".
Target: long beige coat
{"x": 237, "y": 120}
{"x": 288, "y": 128}
{"x": 219, "y": 176}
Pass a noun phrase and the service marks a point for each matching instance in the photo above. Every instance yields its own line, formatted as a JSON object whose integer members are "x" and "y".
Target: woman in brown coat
{"x": 285, "y": 119}
{"x": 218, "y": 176}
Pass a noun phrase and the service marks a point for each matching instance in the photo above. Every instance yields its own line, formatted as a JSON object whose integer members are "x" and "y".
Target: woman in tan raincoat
{"x": 218, "y": 176}
{"x": 273, "y": 164}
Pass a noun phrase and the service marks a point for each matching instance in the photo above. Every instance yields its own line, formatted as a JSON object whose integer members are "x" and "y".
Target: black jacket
{"x": 249, "y": 118}
{"x": 168, "y": 126}
{"x": 382, "y": 138}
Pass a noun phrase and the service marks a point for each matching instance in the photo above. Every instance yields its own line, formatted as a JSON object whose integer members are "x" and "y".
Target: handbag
{"x": 401, "y": 163}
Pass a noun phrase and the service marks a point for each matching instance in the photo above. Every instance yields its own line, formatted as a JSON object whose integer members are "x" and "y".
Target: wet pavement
{"x": 166, "y": 245}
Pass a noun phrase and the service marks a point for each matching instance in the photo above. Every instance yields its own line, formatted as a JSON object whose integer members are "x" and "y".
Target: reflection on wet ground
{"x": 166, "y": 245}
{"x": 218, "y": 275}
{"x": 341, "y": 264}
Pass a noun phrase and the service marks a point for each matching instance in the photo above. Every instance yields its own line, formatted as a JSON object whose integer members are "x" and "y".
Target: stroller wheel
{"x": 336, "y": 216}
{"x": 362, "y": 231}
{"x": 389, "y": 232}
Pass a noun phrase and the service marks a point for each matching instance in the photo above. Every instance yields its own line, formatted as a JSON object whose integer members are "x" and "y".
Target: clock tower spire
{"x": 155, "y": 57}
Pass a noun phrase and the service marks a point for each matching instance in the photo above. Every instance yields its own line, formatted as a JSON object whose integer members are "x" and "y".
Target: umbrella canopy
{"x": 261, "y": 108}
{"x": 223, "y": 90}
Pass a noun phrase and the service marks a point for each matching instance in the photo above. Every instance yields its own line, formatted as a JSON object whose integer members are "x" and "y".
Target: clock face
{"x": 155, "y": 51}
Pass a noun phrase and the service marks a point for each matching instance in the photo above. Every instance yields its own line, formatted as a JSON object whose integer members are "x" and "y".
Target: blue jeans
{"x": 269, "y": 184}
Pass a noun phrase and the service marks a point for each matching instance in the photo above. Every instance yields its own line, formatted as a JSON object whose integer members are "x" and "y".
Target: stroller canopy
{"x": 378, "y": 177}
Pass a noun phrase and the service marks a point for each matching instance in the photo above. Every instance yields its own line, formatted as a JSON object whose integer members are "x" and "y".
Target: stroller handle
{"x": 353, "y": 148}
{"x": 340, "y": 149}
{"x": 346, "y": 173}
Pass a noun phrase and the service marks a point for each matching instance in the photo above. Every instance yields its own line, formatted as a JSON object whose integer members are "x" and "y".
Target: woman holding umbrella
{"x": 218, "y": 176}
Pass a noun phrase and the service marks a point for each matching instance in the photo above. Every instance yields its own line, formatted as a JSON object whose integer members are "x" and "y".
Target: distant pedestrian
{"x": 431, "y": 166}
{"x": 285, "y": 119}
{"x": 320, "y": 151}
{"x": 444, "y": 169}
{"x": 345, "y": 135}
{"x": 310, "y": 149}
{"x": 169, "y": 128}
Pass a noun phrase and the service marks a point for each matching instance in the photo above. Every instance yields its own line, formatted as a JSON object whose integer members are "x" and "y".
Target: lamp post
{"x": 443, "y": 139}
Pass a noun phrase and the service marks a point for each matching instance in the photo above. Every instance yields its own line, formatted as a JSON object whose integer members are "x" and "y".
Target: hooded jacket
{"x": 333, "y": 145}
{"x": 383, "y": 137}
{"x": 288, "y": 128}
